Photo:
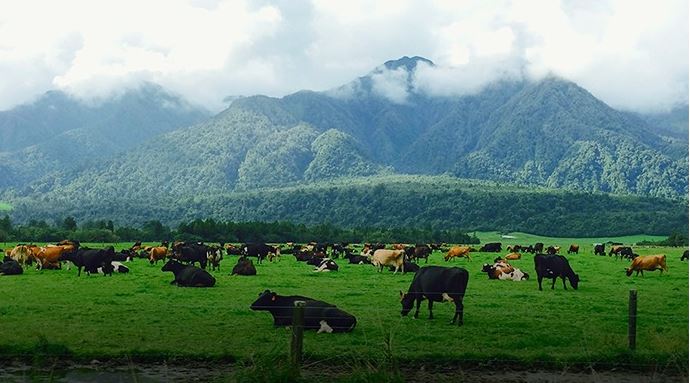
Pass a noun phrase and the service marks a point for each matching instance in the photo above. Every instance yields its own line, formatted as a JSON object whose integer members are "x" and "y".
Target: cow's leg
{"x": 426, "y": 260}
{"x": 553, "y": 283}
{"x": 458, "y": 312}
{"x": 539, "y": 278}
{"x": 564, "y": 286}
{"x": 418, "y": 303}
{"x": 431, "y": 306}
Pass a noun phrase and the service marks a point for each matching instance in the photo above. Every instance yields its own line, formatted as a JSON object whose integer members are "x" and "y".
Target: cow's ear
{"x": 402, "y": 295}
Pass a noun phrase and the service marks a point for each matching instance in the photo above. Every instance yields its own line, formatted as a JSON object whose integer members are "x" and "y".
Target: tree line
{"x": 211, "y": 230}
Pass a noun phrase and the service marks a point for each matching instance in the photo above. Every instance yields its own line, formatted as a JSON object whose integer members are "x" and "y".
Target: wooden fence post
{"x": 297, "y": 333}
{"x": 632, "y": 320}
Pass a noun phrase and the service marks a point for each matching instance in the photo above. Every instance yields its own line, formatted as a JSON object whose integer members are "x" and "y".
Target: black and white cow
{"x": 437, "y": 284}
{"x": 326, "y": 264}
{"x": 318, "y": 315}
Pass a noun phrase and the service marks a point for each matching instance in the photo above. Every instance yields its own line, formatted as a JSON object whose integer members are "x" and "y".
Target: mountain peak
{"x": 409, "y": 63}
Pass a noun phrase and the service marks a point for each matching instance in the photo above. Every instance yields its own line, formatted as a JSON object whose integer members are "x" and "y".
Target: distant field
{"x": 140, "y": 314}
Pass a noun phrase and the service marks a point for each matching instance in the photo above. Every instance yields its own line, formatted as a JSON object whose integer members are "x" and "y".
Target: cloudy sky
{"x": 631, "y": 54}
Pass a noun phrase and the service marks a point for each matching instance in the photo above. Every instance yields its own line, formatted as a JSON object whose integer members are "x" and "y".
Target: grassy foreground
{"x": 140, "y": 315}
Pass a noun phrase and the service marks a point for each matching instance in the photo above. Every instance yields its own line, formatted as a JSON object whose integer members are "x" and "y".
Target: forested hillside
{"x": 435, "y": 202}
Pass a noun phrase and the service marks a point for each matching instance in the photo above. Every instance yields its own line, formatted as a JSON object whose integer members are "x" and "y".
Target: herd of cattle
{"x": 433, "y": 283}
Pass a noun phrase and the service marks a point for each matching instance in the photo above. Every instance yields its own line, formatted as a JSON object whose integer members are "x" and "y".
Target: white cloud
{"x": 633, "y": 54}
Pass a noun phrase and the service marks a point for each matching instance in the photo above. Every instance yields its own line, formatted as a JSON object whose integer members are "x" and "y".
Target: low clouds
{"x": 631, "y": 54}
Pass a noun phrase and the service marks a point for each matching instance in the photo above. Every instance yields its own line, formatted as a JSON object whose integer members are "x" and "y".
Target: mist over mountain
{"x": 547, "y": 133}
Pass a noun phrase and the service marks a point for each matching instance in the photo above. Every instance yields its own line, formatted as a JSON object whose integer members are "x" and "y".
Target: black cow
{"x": 117, "y": 267}
{"x": 304, "y": 256}
{"x": 191, "y": 253}
{"x": 244, "y": 266}
{"x": 409, "y": 267}
{"x": 554, "y": 266}
{"x": 358, "y": 259}
{"x": 684, "y": 256}
{"x": 493, "y": 247}
{"x": 436, "y": 283}
{"x": 599, "y": 249}
{"x": 259, "y": 250}
{"x": 91, "y": 260}
{"x": 188, "y": 275}
{"x": 538, "y": 247}
{"x": 625, "y": 252}
{"x": 10, "y": 267}
{"x": 421, "y": 251}
{"x": 318, "y": 315}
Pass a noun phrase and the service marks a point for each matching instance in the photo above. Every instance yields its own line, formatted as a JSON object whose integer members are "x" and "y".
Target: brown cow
{"x": 24, "y": 254}
{"x": 384, "y": 257}
{"x": 513, "y": 256}
{"x": 574, "y": 249}
{"x": 648, "y": 263}
{"x": 48, "y": 257}
{"x": 157, "y": 254}
{"x": 457, "y": 252}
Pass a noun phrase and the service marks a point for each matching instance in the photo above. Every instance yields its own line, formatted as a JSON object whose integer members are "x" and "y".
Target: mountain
{"x": 59, "y": 133}
{"x": 548, "y": 133}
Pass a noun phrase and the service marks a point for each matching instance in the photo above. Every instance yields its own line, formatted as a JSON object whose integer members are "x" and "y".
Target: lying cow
{"x": 502, "y": 270}
{"x": 684, "y": 257}
{"x": 409, "y": 267}
{"x": 554, "y": 266}
{"x": 358, "y": 259}
{"x": 384, "y": 257}
{"x": 513, "y": 256}
{"x": 244, "y": 266}
{"x": 188, "y": 275}
{"x": 437, "y": 284}
{"x": 318, "y": 315}
{"x": 647, "y": 263}
{"x": 118, "y": 267}
{"x": 10, "y": 267}
{"x": 326, "y": 264}
{"x": 493, "y": 247}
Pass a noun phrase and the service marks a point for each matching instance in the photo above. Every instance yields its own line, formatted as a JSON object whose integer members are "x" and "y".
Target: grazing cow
{"x": 622, "y": 251}
{"x": 384, "y": 257}
{"x": 231, "y": 249}
{"x": 684, "y": 256}
{"x": 244, "y": 266}
{"x": 554, "y": 266}
{"x": 188, "y": 275}
{"x": 409, "y": 267}
{"x": 318, "y": 315}
{"x": 326, "y": 264}
{"x": 92, "y": 259}
{"x": 259, "y": 250}
{"x": 457, "y": 252}
{"x": 599, "y": 249}
{"x": 574, "y": 249}
{"x": 10, "y": 267}
{"x": 492, "y": 247}
{"x": 647, "y": 263}
{"x": 513, "y": 256}
{"x": 437, "y": 284}
{"x": 190, "y": 253}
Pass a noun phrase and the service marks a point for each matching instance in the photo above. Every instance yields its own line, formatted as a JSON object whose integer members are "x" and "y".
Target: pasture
{"x": 141, "y": 315}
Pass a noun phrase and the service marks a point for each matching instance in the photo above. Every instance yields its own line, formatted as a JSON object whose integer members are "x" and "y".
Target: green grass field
{"x": 140, "y": 314}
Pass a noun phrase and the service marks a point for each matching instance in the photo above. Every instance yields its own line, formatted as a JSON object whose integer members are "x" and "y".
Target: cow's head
{"x": 487, "y": 268}
{"x": 266, "y": 300}
{"x": 171, "y": 265}
{"x": 629, "y": 271}
{"x": 574, "y": 281}
{"x": 407, "y": 301}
